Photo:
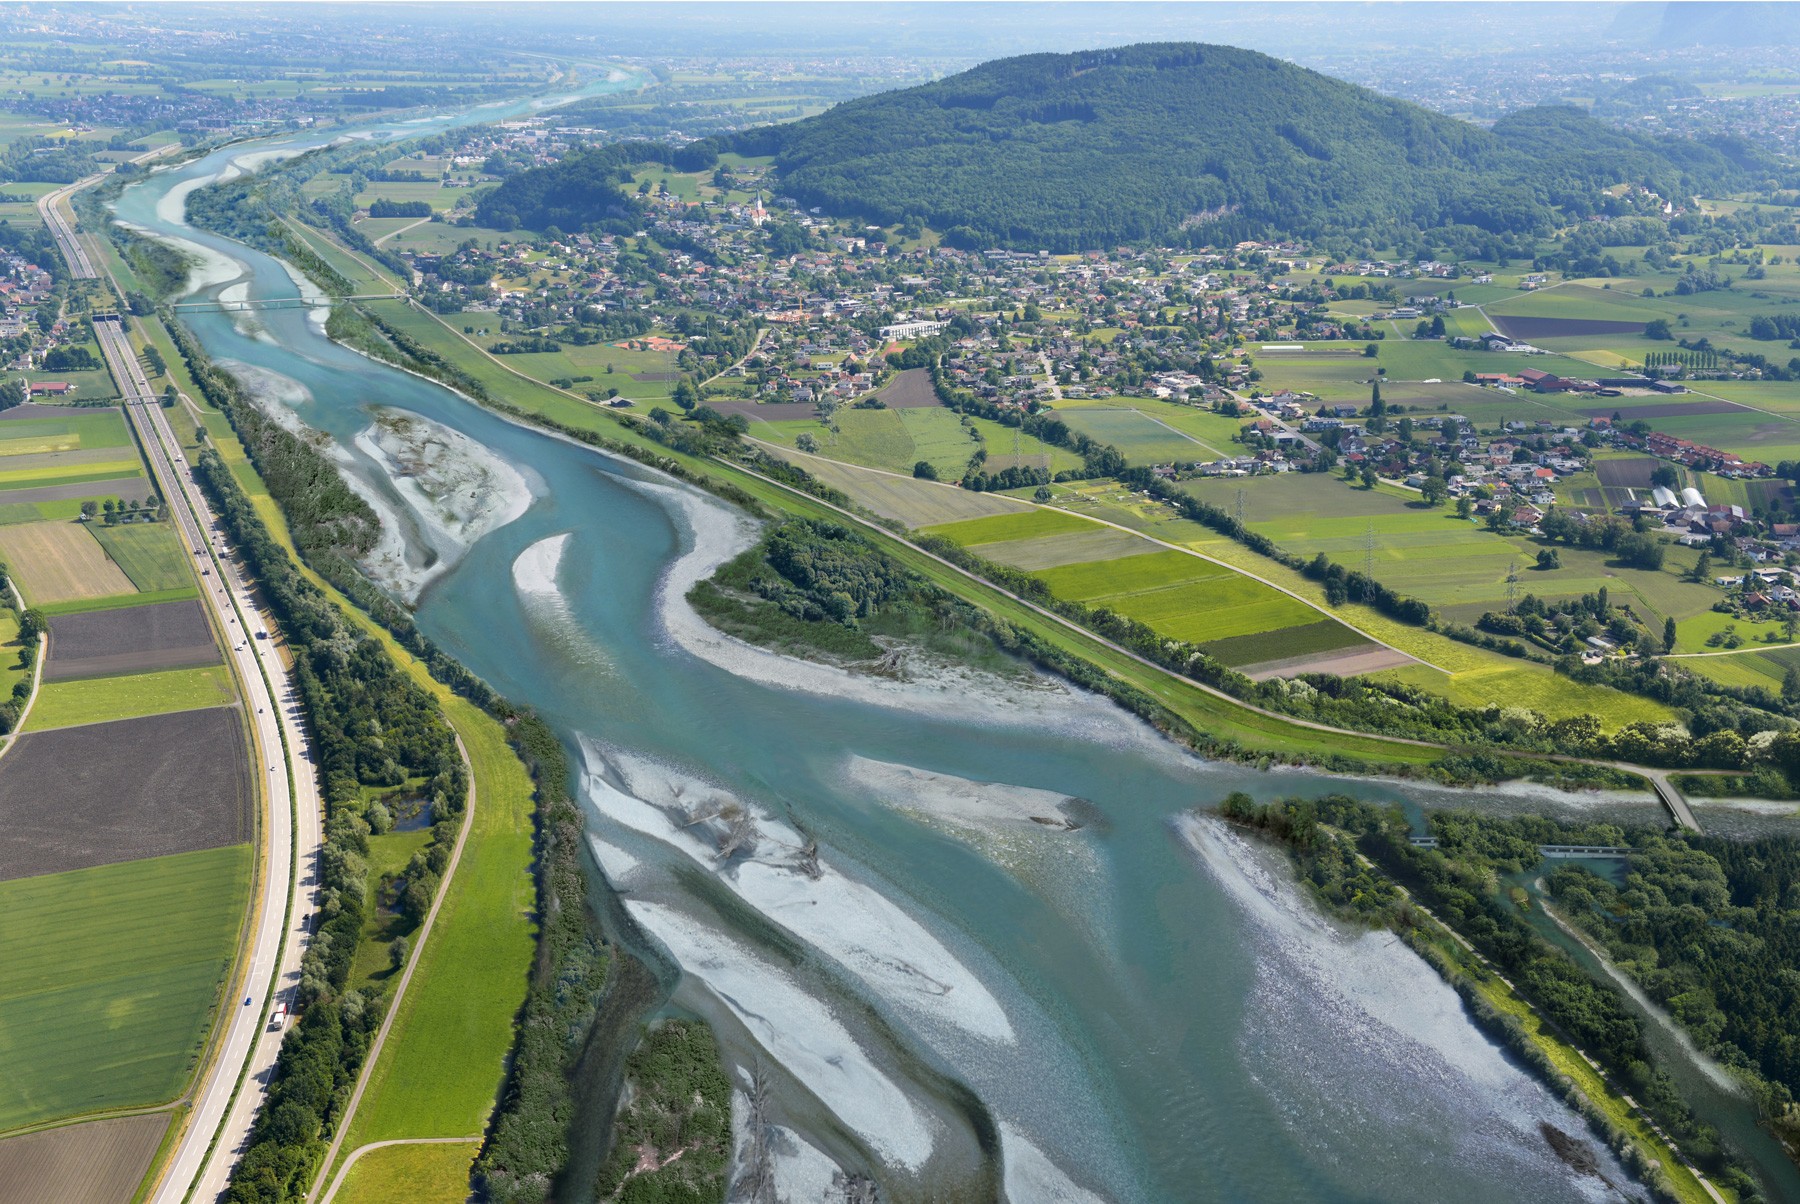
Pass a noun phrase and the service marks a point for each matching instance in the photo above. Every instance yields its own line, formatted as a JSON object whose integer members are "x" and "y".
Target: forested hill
{"x": 1102, "y": 147}
{"x": 1172, "y": 142}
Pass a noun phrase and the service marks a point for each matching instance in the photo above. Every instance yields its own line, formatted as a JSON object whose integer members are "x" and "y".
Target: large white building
{"x": 912, "y": 330}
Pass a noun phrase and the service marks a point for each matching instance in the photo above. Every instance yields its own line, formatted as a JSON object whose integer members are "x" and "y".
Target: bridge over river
{"x": 251, "y": 303}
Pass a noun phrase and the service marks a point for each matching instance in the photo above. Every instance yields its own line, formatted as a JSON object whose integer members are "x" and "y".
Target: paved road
{"x": 219, "y": 1120}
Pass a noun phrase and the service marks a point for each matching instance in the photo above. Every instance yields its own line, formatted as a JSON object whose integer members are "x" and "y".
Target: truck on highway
{"x": 278, "y": 1018}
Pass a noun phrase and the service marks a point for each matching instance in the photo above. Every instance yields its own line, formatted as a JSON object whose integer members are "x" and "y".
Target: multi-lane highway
{"x": 224, "y": 1102}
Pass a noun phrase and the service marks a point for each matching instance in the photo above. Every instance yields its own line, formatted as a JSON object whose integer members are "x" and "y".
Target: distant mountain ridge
{"x": 1163, "y": 141}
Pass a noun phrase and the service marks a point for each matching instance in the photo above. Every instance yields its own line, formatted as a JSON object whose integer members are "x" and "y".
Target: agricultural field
{"x": 108, "y": 977}
{"x": 1145, "y": 437}
{"x": 99, "y": 1160}
{"x": 1340, "y": 372}
{"x": 150, "y": 554}
{"x": 105, "y": 699}
{"x": 133, "y": 639}
{"x": 54, "y": 457}
{"x": 1468, "y": 675}
{"x": 1579, "y": 303}
{"x": 60, "y": 562}
{"x": 1242, "y": 621}
{"x": 38, "y": 428}
{"x": 440, "y": 197}
{"x": 1750, "y": 666}
{"x": 903, "y": 499}
{"x": 1457, "y": 567}
{"x": 1009, "y": 447}
{"x": 108, "y": 792}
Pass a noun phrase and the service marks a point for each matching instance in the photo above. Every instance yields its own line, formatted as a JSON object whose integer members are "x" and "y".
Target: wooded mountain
{"x": 1073, "y": 151}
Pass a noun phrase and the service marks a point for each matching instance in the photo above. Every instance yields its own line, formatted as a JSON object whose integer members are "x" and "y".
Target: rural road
{"x": 245, "y": 1049}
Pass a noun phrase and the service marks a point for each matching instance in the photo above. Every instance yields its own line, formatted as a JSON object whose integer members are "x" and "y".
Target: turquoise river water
{"x": 973, "y": 938}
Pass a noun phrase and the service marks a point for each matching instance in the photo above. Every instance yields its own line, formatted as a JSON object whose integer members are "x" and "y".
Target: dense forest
{"x": 672, "y": 1138}
{"x": 1711, "y": 928}
{"x": 582, "y": 191}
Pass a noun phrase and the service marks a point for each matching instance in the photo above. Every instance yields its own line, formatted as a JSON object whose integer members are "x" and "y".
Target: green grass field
{"x": 108, "y": 977}
{"x": 1022, "y": 524}
{"x": 422, "y": 1174}
{"x": 1180, "y": 595}
{"x": 1142, "y": 438}
{"x": 86, "y": 385}
{"x": 1186, "y": 597}
{"x": 150, "y": 553}
{"x": 103, "y": 699}
{"x": 117, "y": 601}
{"x": 1458, "y": 566}
{"x": 1581, "y": 301}
{"x": 895, "y": 440}
{"x": 40, "y": 475}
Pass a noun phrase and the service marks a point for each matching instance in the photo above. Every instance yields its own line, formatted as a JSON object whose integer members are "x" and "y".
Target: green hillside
{"x": 1164, "y": 142}
{"x": 1101, "y": 147}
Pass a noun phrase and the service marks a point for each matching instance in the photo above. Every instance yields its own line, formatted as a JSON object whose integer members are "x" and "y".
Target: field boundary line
{"x": 360, "y": 1150}
{"x": 86, "y": 1118}
{"x": 1173, "y": 430}
{"x": 1748, "y": 648}
{"x": 393, "y": 1007}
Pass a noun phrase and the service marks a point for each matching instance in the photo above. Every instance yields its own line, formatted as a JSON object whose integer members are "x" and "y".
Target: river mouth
{"x": 953, "y": 926}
